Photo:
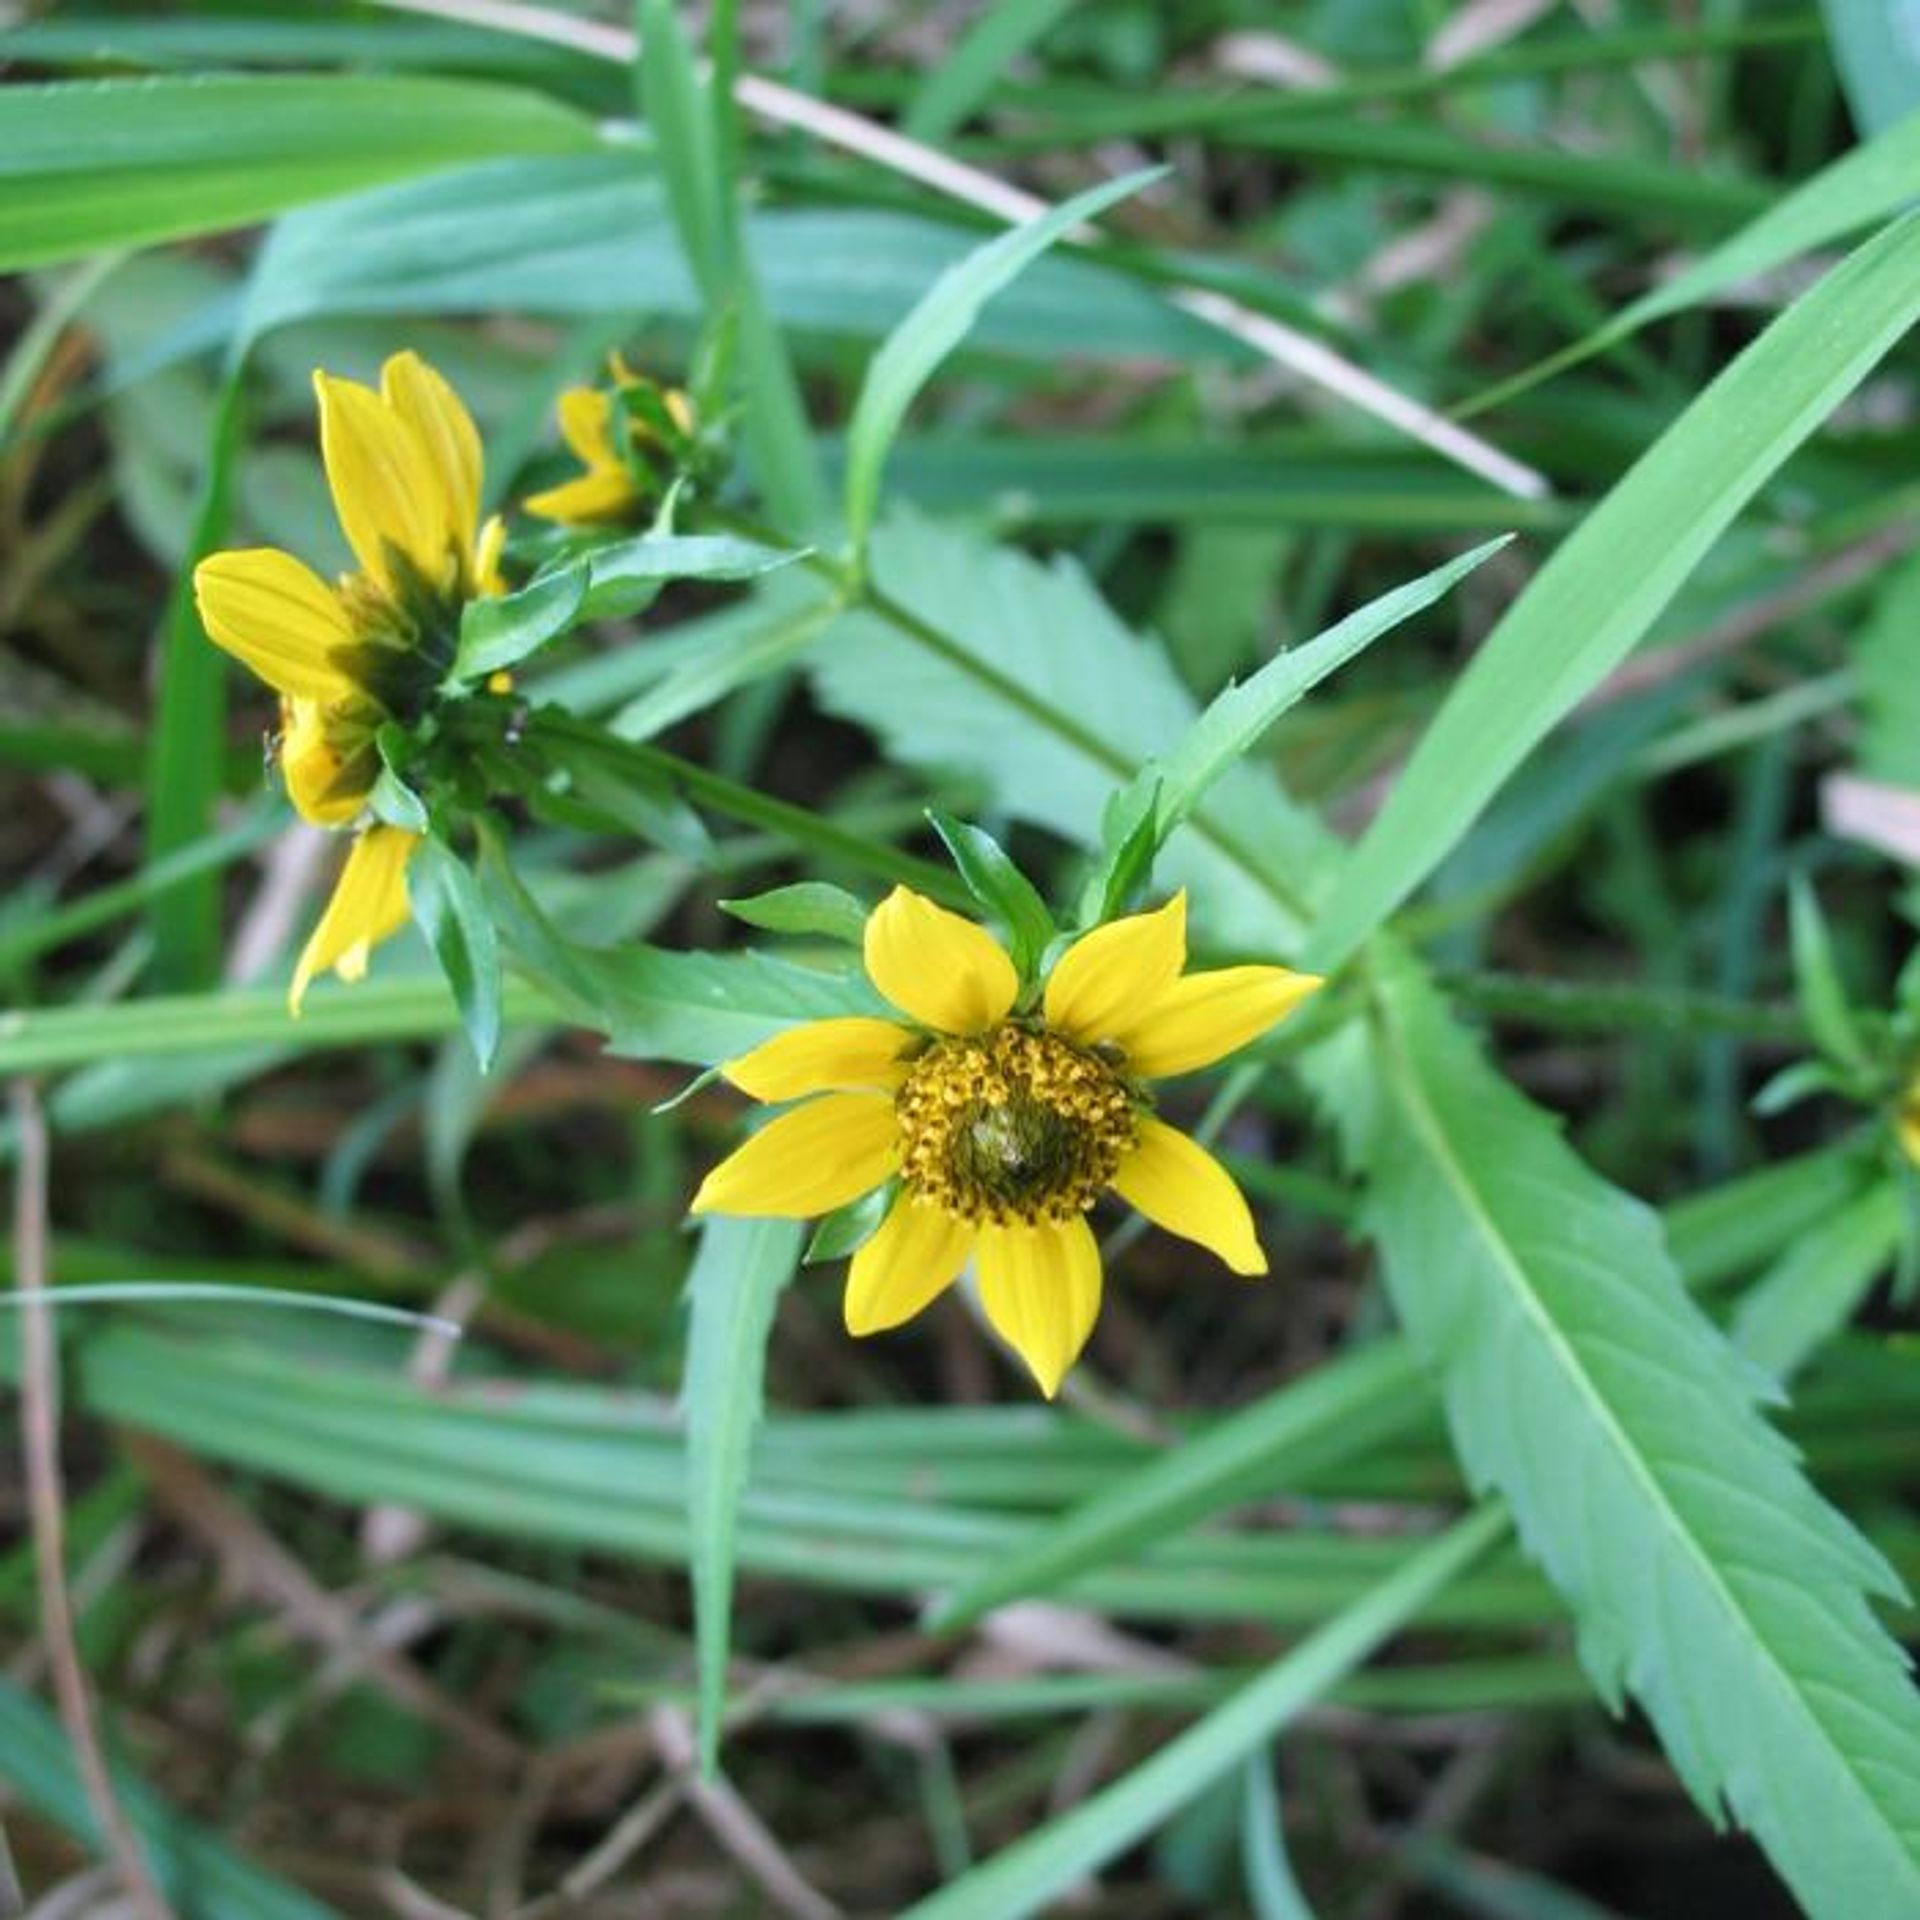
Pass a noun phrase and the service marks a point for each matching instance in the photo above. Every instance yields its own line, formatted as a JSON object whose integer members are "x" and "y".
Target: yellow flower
{"x": 1003, "y": 1127}
{"x": 610, "y": 488}
{"x": 404, "y": 467}
{"x": 1906, "y": 1122}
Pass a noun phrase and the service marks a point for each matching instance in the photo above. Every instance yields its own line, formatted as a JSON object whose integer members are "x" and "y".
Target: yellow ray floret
{"x": 1906, "y": 1123}
{"x": 404, "y": 466}
{"x": 369, "y": 903}
{"x": 599, "y": 433}
{"x": 1003, "y": 1127}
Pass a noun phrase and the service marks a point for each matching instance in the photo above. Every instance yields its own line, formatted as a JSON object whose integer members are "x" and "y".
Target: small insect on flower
{"x": 617, "y": 435}
{"x": 404, "y": 467}
{"x": 1003, "y": 1126}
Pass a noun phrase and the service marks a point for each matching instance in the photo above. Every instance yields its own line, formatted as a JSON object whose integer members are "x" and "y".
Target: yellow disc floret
{"x": 1016, "y": 1124}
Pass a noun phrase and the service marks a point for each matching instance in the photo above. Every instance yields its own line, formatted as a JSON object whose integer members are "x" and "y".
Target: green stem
{"x": 1580, "y": 1007}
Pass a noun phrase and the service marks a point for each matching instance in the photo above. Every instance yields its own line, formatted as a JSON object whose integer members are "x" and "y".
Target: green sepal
{"x": 393, "y": 799}
{"x": 698, "y": 1084}
{"x": 1801, "y": 1081}
{"x": 808, "y": 907}
{"x": 449, "y": 909}
{"x": 1000, "y": 887}
{"x": 846, "y": 1229}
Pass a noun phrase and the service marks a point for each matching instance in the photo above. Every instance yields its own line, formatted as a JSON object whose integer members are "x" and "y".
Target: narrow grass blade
{"x": 736, "y": 1279}
{"x": 941, "y": 320}
{"x": 1350, "y": 1404}
{"x": 1026, "y": 1876}
{"x": 1597, "y": 596}
{"x": 958, "y": 83}
{"x": 94, "y": 164}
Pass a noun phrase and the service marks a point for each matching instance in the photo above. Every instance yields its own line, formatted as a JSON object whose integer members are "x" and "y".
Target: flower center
{"x": 1012, "y": 1125}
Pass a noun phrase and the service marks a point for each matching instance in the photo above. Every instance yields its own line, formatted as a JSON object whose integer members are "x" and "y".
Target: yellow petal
{"x": 1179, "y": 1185}
{"x": 1040, "y": 1286}
{"x": 444, "y": 433}
{"x": 937, "y": 968}
{"x": 915, "y": 1254}
{"x": 809, "y": 1161}
{"x": 328, "y": 759}
{"x": 608, "y": 493}
{"x": 1907, "y": 1125}
{"x": 1106, "y": 975}
{"x": 486, "y": 556}
{"x": 586, "y": 415}
{"x": 390, "y": 496}
{"x": 369, "y": 903}
{"x": 1202, "y": 1017}
{"x": 822, "y": 1056}
{"x": 276, "y": 617}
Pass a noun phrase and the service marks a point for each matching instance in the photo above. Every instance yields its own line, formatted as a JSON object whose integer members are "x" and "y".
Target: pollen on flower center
{"x": 1015, "y": 1124}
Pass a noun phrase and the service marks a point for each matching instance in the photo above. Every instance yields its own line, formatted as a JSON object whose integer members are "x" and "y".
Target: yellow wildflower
{"x": 404, "y": 466}
{"x": 607, "y": 439}
{"x": 1906, "y": 1121}
{"x": 1003, "y": 1127}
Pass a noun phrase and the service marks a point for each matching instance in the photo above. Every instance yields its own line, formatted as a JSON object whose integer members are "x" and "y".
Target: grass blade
{"x": 1024, "y": 1877}
{"x": 736, "y": 1279}
{"x": 1597, "y": 596}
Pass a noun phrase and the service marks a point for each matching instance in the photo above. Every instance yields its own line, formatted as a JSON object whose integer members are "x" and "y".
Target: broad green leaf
{"x": 1587, "y": 607}
{"x": 1344, "y": 1406}
{"x": 1026, "y": 1876}
{"x": 1039, "y": 693}
{"x": 450, "y": 911}
{"x": 1705, "y": 1574}
{"x": 502, "y": 631}
{"x": 1811, "y": 1291}
{"x": 193, "y": 1866}
{"x": 1237, "y": 717}
{"x": 806, "y": 907}
{"x": 938, "y": 323}
{"x": 87, "y": 165}
{"x": 1003, "y": 891}
{"x": 623, "y": 578}
{"x": 736, "y": 1279}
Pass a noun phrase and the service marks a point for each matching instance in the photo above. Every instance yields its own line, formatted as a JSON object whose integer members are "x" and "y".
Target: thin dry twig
{"x": 735, "y": 1824}
{"x": 837, "y": 127}
{"x": 47, "y": 1507}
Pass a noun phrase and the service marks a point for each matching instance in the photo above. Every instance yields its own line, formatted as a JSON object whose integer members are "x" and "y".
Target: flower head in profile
{"x": 622, "y": 436}
{"x": 404, "y": 467}
{"x": 1003, "y": 1126}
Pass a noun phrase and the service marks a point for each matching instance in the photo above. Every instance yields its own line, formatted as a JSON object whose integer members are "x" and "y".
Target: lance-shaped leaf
{"x": 1705, "y": 1574}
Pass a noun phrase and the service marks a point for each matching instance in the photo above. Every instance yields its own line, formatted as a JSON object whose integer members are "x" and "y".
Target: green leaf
{"x": 1808, "y": 1294}
{"x": 1343, "y": 1408}
{"x": 965, "y": 74}
{"x": 1586, "y": 609}
{"x": 1236, "y": 718}
{"x": 624, "y": 577}
{"x": 1704, "y": 1573}
{"x": 452, "y": 913}
{"x": 941, "y": 320}
{"x": 846, "y": 1229}
{"x": 806, "y": 907}
{"x": 1817, "y": 983}
{"x": 676, "y": 108}
{"x": 500, "y": 632}
{"x": 1003, "y": 891}
{"x": 737, "y": 1277}
{"x": 1873, "y": 46}
{"x": 1026, "y": 1876}
{"x": 86, "y": 165}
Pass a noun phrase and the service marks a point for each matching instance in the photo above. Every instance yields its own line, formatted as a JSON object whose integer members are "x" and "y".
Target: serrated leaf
{"x": 451, "y": 912}
{"x": 500, "y": 632}
{"x": 734, "y": 1284}
{"x": 1582, "y": 614}
{"x": 1003, "y": 891}
{"x": 938, "y": 323}
{"x": 1706, "y": 1575}
{"x": 806, "y": 907}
